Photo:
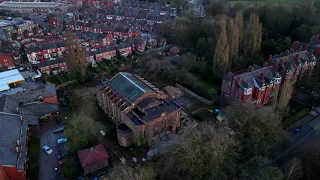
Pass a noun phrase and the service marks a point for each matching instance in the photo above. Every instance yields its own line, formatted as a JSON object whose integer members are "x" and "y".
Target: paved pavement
{"x": 48, "y": 163}
{"x": 310, "y": 132}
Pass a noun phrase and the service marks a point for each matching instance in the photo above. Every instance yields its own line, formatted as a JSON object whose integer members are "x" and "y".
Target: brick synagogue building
{"x": 138, "y": 108}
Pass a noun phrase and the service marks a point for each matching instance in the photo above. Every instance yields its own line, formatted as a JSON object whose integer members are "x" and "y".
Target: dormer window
{"x": 247, "y": 91}
{"x": 40, "y": 99}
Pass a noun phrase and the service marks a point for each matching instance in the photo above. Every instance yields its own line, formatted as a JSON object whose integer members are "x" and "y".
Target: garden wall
{"x": 194, "y": 95}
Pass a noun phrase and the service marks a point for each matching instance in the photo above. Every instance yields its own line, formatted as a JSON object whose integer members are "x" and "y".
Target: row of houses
{"x": 22, "y": 107}
{"x": 259, "y": 85}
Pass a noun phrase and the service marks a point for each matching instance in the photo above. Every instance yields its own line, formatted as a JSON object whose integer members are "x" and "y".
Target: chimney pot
{"x": 261, "y": 76}
{"x": 238, "y": 79}
{"x": 276, "y": 67}
{"x": 281, "y": 62}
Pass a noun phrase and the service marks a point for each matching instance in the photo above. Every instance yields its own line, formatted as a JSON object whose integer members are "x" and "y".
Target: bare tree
{"x": 221, "y": 53}
{"x": 76, "y": 58}
{"x": 284, "y": 97}
{"x": 253, "y": 37}
{"x": 207, "y": 153}
{"x": 233, "y": 40}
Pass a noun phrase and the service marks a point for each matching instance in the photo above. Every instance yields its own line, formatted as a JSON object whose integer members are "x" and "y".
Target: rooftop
{"x": 130, "y": 86}
{"x": 29, "y": 4}
{"x": 92, "y": 155}
{"x": 12, "y": 133}
{"x": 9, "y": 77}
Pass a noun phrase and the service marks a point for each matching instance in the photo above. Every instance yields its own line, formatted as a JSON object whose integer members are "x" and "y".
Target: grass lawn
{"x": 206, "y": 84}
{"x": 263, "y": 2}
{"x": 33, "y": 152}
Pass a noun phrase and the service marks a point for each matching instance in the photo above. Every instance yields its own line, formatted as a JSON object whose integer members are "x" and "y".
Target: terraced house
{"x": 259, "y": 84}
{"x": 139, "y": 109}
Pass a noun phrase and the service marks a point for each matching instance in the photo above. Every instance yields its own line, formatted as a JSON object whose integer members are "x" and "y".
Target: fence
{"x": 194, "y": 95}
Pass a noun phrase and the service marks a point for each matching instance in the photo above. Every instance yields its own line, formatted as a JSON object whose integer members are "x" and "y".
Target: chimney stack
{"x": 270, "y": 57}
{"x": 261, "y": 76}
{"x": 311, "y": 52}
{"x": 229, "y": 74}
{"x": 238, "y": 79}
{"x": 276, "y": 67}
{"x": 298, "y": 57}
{"x": 287, "y": 52}
{"x": 296, "y": 44}
{"x": 250, "y": 69}
{"x": 305, "y": 47}
{"x": 265, "y": 64}
{"x": 315, "y": 38}
{"x": 281, "y": 62}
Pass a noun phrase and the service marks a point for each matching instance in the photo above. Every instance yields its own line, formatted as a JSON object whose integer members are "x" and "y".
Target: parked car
{"x": 60, "y": 156}
{"x": 62, "y": 140}
{"x": 58, "y": 129}
{"x": 46, "y": 149}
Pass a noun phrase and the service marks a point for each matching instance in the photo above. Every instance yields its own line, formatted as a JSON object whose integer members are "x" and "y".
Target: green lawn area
{"x": 263, "y": 2}
{"x": 33, "y": 152}
{"x": 206, "y": 84}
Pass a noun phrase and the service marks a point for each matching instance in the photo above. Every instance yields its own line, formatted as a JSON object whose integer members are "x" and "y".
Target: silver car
{"x": 46, "y": 149}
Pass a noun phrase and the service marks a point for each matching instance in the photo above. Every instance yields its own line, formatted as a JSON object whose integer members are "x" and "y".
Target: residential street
{"x": 308, "y": 135}
{"x": 48, "y": 163}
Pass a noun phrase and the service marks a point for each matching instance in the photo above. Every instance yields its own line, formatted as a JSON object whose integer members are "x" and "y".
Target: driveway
{"x": 48, "y": 163}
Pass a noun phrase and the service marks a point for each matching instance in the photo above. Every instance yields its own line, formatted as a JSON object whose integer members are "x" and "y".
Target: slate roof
{"x": 92, "y": 155}
{"x": 28, "y": 108}
{"x": 51, "y": 62}
{"x": 129, "y": 86}
{"x": 12, "y": 130}
{"x": 251, "y": 79}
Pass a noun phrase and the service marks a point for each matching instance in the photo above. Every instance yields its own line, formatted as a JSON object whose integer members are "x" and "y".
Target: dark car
{"x": 60, "y": 156}
{"x": 58, "y": 129}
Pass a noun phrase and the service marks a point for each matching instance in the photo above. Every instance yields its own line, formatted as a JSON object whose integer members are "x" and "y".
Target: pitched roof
{"x": 92, "y": 155}
{"x": 12, "y": 130}
{"x": 130, "y": 86}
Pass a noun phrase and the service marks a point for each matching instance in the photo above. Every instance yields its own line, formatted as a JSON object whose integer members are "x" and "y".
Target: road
{"x": 308, "y": 135}
{"x": 48, "y": 163}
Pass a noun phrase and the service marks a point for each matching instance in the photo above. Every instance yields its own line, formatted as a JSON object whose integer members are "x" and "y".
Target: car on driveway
{"x": 60, "y": 156}
{"x": 62, "y": 140}
{"x": 46, "y": 149}
{"x": 58, "y": 129}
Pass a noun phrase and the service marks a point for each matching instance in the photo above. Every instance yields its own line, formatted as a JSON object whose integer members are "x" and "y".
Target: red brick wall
{"x": 3, "y": 175}
{"x": 14, "y": 174}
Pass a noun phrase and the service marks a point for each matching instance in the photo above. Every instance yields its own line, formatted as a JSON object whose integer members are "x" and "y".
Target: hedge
{"x": 296, "y": 117}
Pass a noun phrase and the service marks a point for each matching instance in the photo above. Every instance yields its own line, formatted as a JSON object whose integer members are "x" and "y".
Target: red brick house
{"x": 45, "y": 51}
{"x": 288, "y": 66}
{"x": 138, "y": 44}
{"x": 93, "y": 158}
{"x": 105, "y": 53}
{"x": 140, "y": 110}
{"x": 257, "y": 85}
{"x": 6, "y": 60}
{"x": 124, "y": 49}
{"x": 293, "y": 65}
{"x": 14, "y": 143}
{"x": 3, "y": 175}
{"x": 53, "y": 66}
